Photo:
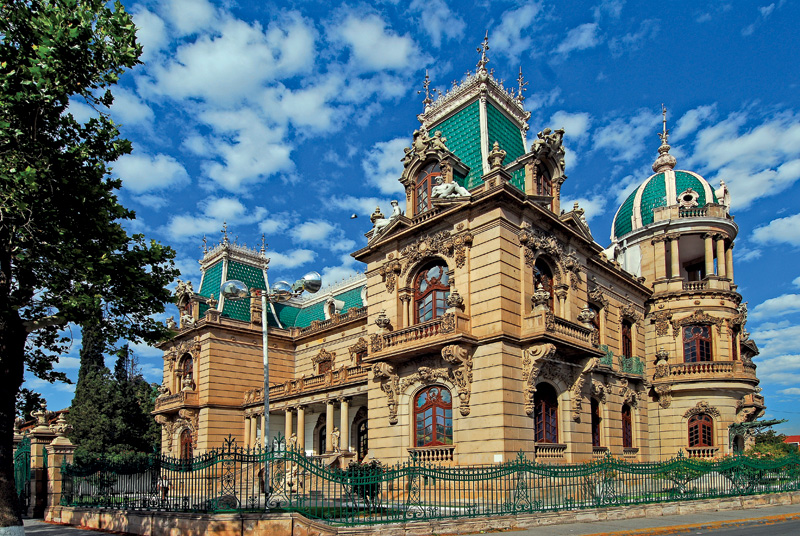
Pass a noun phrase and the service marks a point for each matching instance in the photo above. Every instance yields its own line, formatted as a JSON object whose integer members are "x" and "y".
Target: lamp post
{"x": 281, "y": 291}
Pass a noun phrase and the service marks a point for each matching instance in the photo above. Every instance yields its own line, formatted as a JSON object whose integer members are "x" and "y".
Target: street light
{"x": 281, "y": 291}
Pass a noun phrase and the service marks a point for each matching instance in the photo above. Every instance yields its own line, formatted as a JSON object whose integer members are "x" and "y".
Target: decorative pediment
{"x": 702, "y": 407}
{"x": 322, "y": 356}
{"x": 443, "y": 243}
{"x": 698, "y": 317}
{"x": 629, "y": 312}
{"x": 359, "y": 347}
{"x": 536, "y": 242}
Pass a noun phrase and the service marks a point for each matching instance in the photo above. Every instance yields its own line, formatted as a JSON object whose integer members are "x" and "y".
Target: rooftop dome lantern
{"x": 665, "y": 160}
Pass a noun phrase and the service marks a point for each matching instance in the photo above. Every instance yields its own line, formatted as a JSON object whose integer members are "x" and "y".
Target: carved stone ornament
{"x": 183, "y": 293}
{"x": 448, "y": 323}
{"x": 577, "y": 398}
{"x": 586, "y": 315}
{"x": 441, "y": 243}
{"x": 549, "y": 145}
{"x": 375, "y": 343}
{"x": 597, "y": 295}
{"x": 701, "y": 408}
{"x": 382, "y": 321}
{"x": 61, "y": 427}
{"x": 698, "y": 317}
{"x": 540, "y": 299}
{"x": 629, "y": 311}
{"x": 455, "y": 301}
{"x": 664, "y": 392}
{"x": 662, "y": 365}
{"x": 532, "y": 361}
{"x": 390, "y": 384}
{"x": 661, "y": 320}
{"x": 322, "y": 356}
{"x": 461, "y": 373}
{"x": 380, "y": 225}
{"x": 536, "y": 242}
{"x": 389, "y": 273}
{"x": 359, "y": 347}
{"x": 496, "y": 156}
{"x": 599, "y": 390}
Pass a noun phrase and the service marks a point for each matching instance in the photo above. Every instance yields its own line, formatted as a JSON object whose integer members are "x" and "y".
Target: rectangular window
{"x": 627, "y": 339}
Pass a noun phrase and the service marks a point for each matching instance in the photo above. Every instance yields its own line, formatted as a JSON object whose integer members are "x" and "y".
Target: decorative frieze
{"x": 702, "y": 407}
{"x": 698, "y": 317}
{"x": 661, "y": 320}
{"x": 440, "y": 243}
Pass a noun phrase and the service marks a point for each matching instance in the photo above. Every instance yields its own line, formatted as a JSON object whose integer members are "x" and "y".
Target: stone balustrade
{"x": 309, "y": 384}
{"x": 702, "y": 452}
{"x": 712, "y": 368}
{"x": 413, "y": 333}
{"x": 354, "y": 313}
{"x": 184, "y": 398}
{"x": 438, "y": 454}
{"x": 550, "y": 450}
{"x": 693, "y": 286}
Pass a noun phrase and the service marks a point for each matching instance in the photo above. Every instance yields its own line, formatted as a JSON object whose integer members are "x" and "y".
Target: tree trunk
{"x": 12, "y": 351}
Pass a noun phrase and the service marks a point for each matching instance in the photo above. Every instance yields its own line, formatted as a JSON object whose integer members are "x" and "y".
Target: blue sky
{"x": 284, "y": 118}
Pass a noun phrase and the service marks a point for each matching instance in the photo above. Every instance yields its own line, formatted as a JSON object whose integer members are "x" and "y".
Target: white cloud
{"x": 156, "y": 202}
{"x": 779, "y": 360}
{"x": 790, "y": 391}
{"x": 691, "y": 120}
{"x": 81, "y": 111}
{"x": 514, "y": 34}
{"x": 362, "y": 206}
{"x": 189, "y": 16}
{"x": 129, "y": 109}
{"x": 779, "y": 306}
{"x": 593, "y": 206}
{"x": 625, "y": 138}
{"x": 438, "y": 20}
{"x": 764, "y": 13}
{"x": 68, "y": 362}
{"x": 542, "y": 99}
{"x": 744, "y": 254}
{"x": 579, "y": 38}
{"x": 383, "y": 166}
{"x": 323, "y": 233}
{"x": 373, "y": 46}
{"x": 151, "y": 32}
{"x": 345, "y": 270}
{"x": 796, "y": 281}
{"x": 780, "y": 231}
{"x": 612, "y": 8}
{"x": 575, "y": 125}
{"x": 213, "y": 212}
{"x": 290, "y": 259}
{"x": 648, "y": 29}
{"x": 144, "y": 173}
{"x": 276, "y": 223}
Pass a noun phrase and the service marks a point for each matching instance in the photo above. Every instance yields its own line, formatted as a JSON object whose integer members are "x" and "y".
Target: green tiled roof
{"x": 503, "y": 131}
{"x": 654, "y": 195}
{"x": 286, "y": 313}
{"x": 685, "y": 180}
{"x": 252, "y": 277}
{"x": 622, "y": 222}
{"x": 463, "y": 133}
{"x": 212, "y": 279}
{"x": 303, "y": 317}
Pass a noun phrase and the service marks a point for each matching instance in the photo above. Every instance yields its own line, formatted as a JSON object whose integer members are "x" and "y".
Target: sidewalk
{"x": 653, "y": 526}
{"x": 677, "y": 524}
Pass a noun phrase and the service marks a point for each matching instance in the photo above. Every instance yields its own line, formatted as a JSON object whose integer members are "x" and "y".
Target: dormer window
{"x": 427, "y": 178}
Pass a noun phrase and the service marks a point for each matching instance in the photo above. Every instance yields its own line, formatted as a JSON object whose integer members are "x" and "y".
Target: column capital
{"x": 708, "y": 236}
{"x": 341, "y": 399}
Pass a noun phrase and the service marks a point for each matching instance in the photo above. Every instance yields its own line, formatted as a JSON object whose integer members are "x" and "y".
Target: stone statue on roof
{"x": 449, "y": 190}
{"x": 382, "y": 223}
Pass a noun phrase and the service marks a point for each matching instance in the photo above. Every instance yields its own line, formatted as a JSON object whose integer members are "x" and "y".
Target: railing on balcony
{"x": 337, "y": 377}
{"x": 702, "y": 452}
{"x": 428, "y": 214}
{"x": 574, "y": 331}
{"x": 630, "y": 453}
{"x": 695, "y": 285}
{"x": 413, "y": 333}
{"x": 319, "y": 325}
{"x": 598, "y": 453}
{"x": 550, "y": 450}
{"x": 439, "y": 454}
{"x": 188, "y": 398}
{"x": 711, "y": 367}
{"x": 608, "y": 359}
{"x": 631, "y": 365}
{"x": 697, "y": 212}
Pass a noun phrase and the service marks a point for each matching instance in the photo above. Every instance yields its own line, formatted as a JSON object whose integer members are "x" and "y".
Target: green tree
{"x": 64, "y": 253}
{"x": 770, "y": 444}
{"x": 28, "y": 401}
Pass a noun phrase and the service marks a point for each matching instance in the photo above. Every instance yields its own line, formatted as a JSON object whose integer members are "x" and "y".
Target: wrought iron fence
{"x": 22, "y": 471}
{"x": 231, "y": 479}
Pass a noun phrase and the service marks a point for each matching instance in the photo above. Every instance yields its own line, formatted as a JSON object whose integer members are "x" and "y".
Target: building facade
{"x": 488, "y": 320}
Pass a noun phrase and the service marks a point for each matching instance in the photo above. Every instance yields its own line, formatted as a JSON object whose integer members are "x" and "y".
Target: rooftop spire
{"x": 522, "y": 84}
{"x": 224, "y": 232}
{"x": 665, "y": 160}
{"x": 483, "y": 48}
{"x": 426, "y": 88}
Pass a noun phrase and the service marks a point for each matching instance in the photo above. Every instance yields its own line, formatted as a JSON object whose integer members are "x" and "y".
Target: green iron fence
{"x": 22, "y": 471}
{"x": 231, "y": 479}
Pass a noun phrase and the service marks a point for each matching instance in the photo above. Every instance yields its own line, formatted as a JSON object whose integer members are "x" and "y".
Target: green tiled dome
{"x": 659, "y": 190}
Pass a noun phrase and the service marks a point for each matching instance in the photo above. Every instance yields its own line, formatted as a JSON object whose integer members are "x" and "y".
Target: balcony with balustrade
{"x": 423, "y": 338}
{"x": 172, "y": 403}
{"x": 310, "y": 384}
{"x": 570, "y": 337}
{"x": 685, "y": 375}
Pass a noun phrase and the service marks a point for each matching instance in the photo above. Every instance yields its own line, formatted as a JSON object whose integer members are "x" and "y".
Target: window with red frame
{"x": 627, "y": 427}
{"x": 431, "y": 289}
{"x": 430, "y": 176}
{"x": 627, "y": 339}
{"x": 696, "y": 343}
{"x": 701, "y": 431}
{"x": 545, "y": 414}
{"x": 186, "y": 445}
{"x": 433, "y": 415}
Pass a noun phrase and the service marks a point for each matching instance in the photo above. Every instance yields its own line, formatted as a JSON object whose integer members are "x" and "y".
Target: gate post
{"x": 40, "y": 437}
{"x": 59, "y": 451}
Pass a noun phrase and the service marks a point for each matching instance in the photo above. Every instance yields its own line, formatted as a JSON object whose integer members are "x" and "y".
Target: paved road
{"x": 772, "y": 521}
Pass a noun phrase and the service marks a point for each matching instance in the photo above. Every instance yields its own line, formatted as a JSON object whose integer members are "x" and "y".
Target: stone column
{"x": 675, "y": 270}
{"x": 720, "y": 255}
{"x": 59, "y": 451}
{"x": 405, "y": 300}
{"x": 344, "y": 424}
{"x": 253, "y": 431}
{"x": 709, "y": 254}
{"x": 41, "y": 436}
{"x": 289, "y": 426}
{"x": 562, "y": 293}
{"x": 729, "y": 262}
{"x": 660, "y": 260}
{"x": 329, "y": 426}
{"x": 301, "y": 428}
{"x": 247, "y": 431}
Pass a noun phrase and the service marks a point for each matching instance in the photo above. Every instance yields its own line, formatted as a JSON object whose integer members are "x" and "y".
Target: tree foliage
{"x": 27, "y": 402}
{"x": 64, "y": 253}
{"x": 770, "y": 444}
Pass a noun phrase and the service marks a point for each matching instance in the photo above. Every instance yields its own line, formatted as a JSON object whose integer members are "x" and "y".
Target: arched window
{"x": 362, "y": 440}
{"x": 186, "y": 372}
{"x": 431, "y": 289}
{"x": 433, "y": 415}
{"x": 627, "y": 427}
{"x": 543, "y": 275}
{"x": 545, "y": 414}
{"x": 627, "y": 338}
{"x": 429, "y": 177}
{"x": 186, "y": 445}
{"x": 696, "y": 343}
{"x": 596, "y": 423}
{"x": 701, "y": 431}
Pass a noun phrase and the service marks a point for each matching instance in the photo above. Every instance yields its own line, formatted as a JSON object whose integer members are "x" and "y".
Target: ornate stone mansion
{"x": 488, "y": 320}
